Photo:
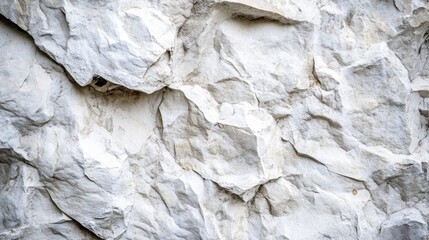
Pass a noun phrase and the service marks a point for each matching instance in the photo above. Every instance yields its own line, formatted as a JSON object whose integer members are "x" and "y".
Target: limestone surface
{"x": 214, "y": 119}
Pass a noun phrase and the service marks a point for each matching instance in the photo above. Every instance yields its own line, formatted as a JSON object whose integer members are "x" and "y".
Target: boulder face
{"x": 214, "y": 119}
{"x": 405, "y": 225}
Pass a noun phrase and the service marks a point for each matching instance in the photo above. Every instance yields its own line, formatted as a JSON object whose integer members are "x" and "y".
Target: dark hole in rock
{"x": 99, "y": 81}
{"x": 425, "y": 41}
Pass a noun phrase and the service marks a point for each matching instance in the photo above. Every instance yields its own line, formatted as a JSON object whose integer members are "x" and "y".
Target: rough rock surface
{"x": 214, "y": 119}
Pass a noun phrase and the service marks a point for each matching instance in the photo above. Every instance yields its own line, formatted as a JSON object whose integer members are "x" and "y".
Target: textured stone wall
{"x": 214, "y": 119}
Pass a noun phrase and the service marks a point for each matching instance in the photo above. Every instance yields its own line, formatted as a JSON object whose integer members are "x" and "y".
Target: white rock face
{"x": 215, "y": 119}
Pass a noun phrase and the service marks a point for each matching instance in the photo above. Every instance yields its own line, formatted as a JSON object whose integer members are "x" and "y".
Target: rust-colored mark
{"x": 354, "y": 191}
